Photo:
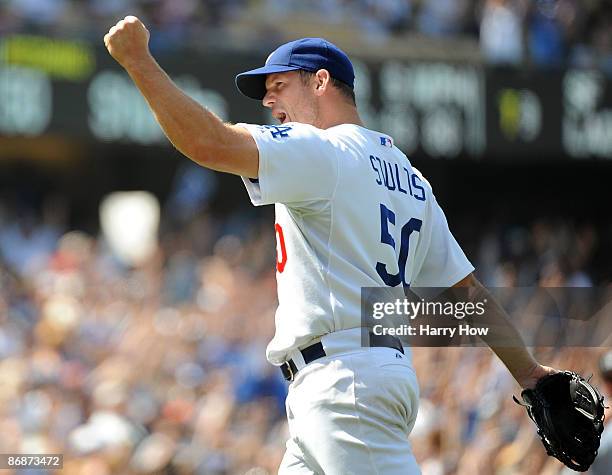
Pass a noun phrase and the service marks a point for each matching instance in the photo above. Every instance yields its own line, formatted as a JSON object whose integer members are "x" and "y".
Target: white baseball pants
{"x": 352, "y": 413}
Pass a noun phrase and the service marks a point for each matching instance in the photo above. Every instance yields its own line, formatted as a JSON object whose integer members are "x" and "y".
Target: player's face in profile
{"x": 290, "y": 99}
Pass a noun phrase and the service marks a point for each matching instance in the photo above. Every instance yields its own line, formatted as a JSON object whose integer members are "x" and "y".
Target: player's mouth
{"x": 281, "y": 117}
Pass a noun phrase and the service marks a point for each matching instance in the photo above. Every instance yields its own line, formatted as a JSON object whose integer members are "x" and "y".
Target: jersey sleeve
{"x": 443, "y": 262}
{"x": 297, "y": 164}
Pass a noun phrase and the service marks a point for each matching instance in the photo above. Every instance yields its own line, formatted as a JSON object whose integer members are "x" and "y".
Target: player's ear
{"x": 322, "y": 81}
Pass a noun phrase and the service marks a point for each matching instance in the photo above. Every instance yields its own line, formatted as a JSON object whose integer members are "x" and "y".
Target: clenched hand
{"x": 128, "y": 41}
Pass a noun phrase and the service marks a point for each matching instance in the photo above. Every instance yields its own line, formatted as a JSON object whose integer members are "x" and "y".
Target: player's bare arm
{"x": 192, "y": 129}
{"x": 513, "y": 353}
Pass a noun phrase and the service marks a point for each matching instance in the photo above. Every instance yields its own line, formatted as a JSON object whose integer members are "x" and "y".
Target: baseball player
{"x": 351, "y": 212}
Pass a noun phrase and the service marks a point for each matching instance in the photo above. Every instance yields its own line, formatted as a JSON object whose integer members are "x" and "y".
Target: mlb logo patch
{"x": 386, "y": 141}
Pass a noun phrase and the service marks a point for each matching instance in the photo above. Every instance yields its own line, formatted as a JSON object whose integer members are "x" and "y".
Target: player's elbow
{"x": 228, "y": 158}
{"x": 228, "y": 148}
{"x": 202, "y": 153}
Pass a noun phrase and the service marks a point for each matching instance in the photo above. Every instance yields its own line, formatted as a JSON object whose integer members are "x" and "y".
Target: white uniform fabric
{"x": 343, "y": 198}
{"x": 351, "y": 212}
{"x": 352, "y": 413}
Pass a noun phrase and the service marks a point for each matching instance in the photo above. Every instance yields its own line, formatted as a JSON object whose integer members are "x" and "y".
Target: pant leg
{"x": 293, "y": 462}
{"x": 353, "y": 413}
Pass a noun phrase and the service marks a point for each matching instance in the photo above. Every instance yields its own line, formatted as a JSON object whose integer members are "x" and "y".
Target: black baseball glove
{"x": 569, "y": 414}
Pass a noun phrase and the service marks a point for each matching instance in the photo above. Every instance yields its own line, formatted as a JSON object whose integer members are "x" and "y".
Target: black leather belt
{"x": 316, "y": 351}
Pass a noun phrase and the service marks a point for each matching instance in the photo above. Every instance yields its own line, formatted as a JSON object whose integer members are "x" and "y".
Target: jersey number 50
{"x": 413, "y": 225}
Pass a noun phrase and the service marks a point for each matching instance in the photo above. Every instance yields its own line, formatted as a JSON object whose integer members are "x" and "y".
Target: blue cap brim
{"x": 253, "y": 83}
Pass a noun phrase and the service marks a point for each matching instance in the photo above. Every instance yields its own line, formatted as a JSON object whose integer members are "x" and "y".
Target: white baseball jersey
{"x": 351, "y": 212}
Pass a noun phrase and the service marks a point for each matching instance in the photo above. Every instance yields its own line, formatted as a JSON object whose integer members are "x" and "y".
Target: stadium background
{"x": 154, "y": 363}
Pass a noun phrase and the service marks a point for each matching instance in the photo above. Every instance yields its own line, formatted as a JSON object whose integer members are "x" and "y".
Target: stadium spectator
{"x": 443, "y": 17}
{"x": 501, "y": 32}
{"x": 546, "y": 34}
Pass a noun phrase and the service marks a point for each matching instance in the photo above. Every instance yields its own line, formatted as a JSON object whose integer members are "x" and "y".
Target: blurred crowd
{"x": 160, "y": 368}
{"x": 130, "y": 370}
{"x": 543, "y": 33}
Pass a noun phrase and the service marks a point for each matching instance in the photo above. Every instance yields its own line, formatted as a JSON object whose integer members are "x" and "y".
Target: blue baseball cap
{"x": 309, "y": 54}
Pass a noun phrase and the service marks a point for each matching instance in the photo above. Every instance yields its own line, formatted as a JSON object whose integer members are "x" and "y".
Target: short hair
{"x": 345, "y": 90}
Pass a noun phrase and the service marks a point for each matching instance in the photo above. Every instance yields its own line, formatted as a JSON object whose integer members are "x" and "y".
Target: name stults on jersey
{"x": 390, "y": 176}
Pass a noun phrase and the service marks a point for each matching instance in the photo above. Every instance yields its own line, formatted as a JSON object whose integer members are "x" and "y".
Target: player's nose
{"x": 269, "y": 99}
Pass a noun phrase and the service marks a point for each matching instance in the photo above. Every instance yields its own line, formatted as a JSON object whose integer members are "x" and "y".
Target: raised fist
{"x": 127, "y": 41}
